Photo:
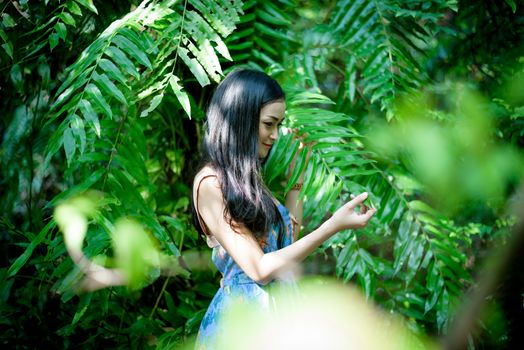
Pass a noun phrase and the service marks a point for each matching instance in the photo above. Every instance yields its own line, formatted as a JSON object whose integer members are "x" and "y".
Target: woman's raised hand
{"x": 346, "y": 217}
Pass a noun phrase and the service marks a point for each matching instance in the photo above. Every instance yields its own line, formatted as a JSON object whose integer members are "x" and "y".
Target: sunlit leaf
{"x": 109, "y": 88}
{"x": 181, "y": 95}
{"x": 88, "y": 4}
{"x": 155, "y": 101}
{"x": 90, "y": 115}
{"x": 97, "y": 97}
{"x": 67, "y": 18}
{"x": 131, "y": 49}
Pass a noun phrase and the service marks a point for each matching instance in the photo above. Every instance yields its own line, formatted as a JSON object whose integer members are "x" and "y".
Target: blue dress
{"x": 236, "y": 283}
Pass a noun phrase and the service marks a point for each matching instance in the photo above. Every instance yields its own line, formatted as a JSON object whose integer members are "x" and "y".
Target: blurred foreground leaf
{"x": 454, "y": 152}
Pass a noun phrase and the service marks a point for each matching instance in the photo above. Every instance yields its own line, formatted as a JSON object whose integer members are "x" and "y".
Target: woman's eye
{"x": 268, "y": 123}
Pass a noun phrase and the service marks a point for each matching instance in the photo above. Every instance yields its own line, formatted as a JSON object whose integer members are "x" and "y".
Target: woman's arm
{"x": 246, "y": 252}
{"x": 293, "y": 204}
{"x": 295, "y": 207}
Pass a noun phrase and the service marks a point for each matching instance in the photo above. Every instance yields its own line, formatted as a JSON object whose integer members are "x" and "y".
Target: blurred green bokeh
{"x": 136, "y": 256}
{"x": 318, "y": 313}
{"x": 454, "y": 151}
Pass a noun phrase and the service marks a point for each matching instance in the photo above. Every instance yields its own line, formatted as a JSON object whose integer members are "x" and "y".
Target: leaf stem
{"x": 159, "y": 296}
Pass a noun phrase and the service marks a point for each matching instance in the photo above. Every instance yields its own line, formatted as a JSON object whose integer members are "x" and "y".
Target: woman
{"x": 250, "y": 232}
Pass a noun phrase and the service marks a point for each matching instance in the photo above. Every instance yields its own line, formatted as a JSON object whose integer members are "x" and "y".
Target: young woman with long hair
{"x": 252, "y": 235}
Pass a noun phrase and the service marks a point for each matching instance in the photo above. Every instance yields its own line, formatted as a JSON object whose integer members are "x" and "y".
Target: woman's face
{"x": 271, "y": 116}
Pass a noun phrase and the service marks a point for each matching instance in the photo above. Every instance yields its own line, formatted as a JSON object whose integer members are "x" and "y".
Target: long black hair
{"x": 230, "y": 146}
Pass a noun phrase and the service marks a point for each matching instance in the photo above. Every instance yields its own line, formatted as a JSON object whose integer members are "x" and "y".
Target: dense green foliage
{"x": 109, "y": 96}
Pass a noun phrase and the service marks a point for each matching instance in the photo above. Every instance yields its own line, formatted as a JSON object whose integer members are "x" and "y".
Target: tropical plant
{"x": 98, "y": 118}
{"x": 110, "y": 96}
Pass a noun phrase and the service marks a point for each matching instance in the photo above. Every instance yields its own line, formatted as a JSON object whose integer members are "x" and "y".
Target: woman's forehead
{"x": 276, "y": 109}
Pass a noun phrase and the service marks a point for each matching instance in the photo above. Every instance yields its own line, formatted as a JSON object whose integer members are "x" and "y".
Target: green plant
{"x": 110, "y": 96}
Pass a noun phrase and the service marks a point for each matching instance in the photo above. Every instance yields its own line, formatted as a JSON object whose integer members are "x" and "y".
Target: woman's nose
{"x": 274, "y": 135}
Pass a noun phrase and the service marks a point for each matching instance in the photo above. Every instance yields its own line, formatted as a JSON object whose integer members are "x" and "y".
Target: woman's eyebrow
{"x": 276, "y": 118}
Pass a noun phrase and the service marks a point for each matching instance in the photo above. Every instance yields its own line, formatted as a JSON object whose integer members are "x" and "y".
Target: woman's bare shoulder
{"x": 206, "y": 171}
{"x": 206, "y": 181}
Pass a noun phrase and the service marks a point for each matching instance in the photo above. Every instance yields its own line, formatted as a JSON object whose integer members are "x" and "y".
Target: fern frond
{"x": 262, "y": 24}
{"x": 123, "y": 75}
{"x": 384, "y": 41}
{"x": 196, "y": 39}
{"x": 422, "y": 240}
{"x": 125, "y": 58}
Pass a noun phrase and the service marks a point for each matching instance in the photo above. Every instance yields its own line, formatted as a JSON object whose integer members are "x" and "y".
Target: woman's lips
{"x": 268, "y": 146}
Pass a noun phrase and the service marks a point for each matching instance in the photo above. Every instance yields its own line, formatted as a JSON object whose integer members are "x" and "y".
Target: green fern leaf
{"x": 22, "y": 259}
{"x": 69, "y": 144}
{"x": 195, "y": 67}
{"x": 78, "y": 129}
{"x": 380, "y": 39}
{"x": 155, "y": 101}
{"x": 132, "y": 50}
{"x": 110, "y": 68}
{"x": 88, "y": 4}
{"x": 181, "y": 95}
{"x": 109, "y": 88}
{"x": 97, "y": 97}
{"x": 118, "y": 56}
{"x": 90, "y": 115}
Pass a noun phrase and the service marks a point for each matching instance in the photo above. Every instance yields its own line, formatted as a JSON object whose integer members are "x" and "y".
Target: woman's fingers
{"x": 363, "y": 207}
{"x": 368, "y": 214}
{"x": 348, "y": 217}
{"x": 357, "y": 200}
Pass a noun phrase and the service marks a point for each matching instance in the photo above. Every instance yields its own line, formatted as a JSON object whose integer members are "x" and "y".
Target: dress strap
{"x": 210, "y": 239}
